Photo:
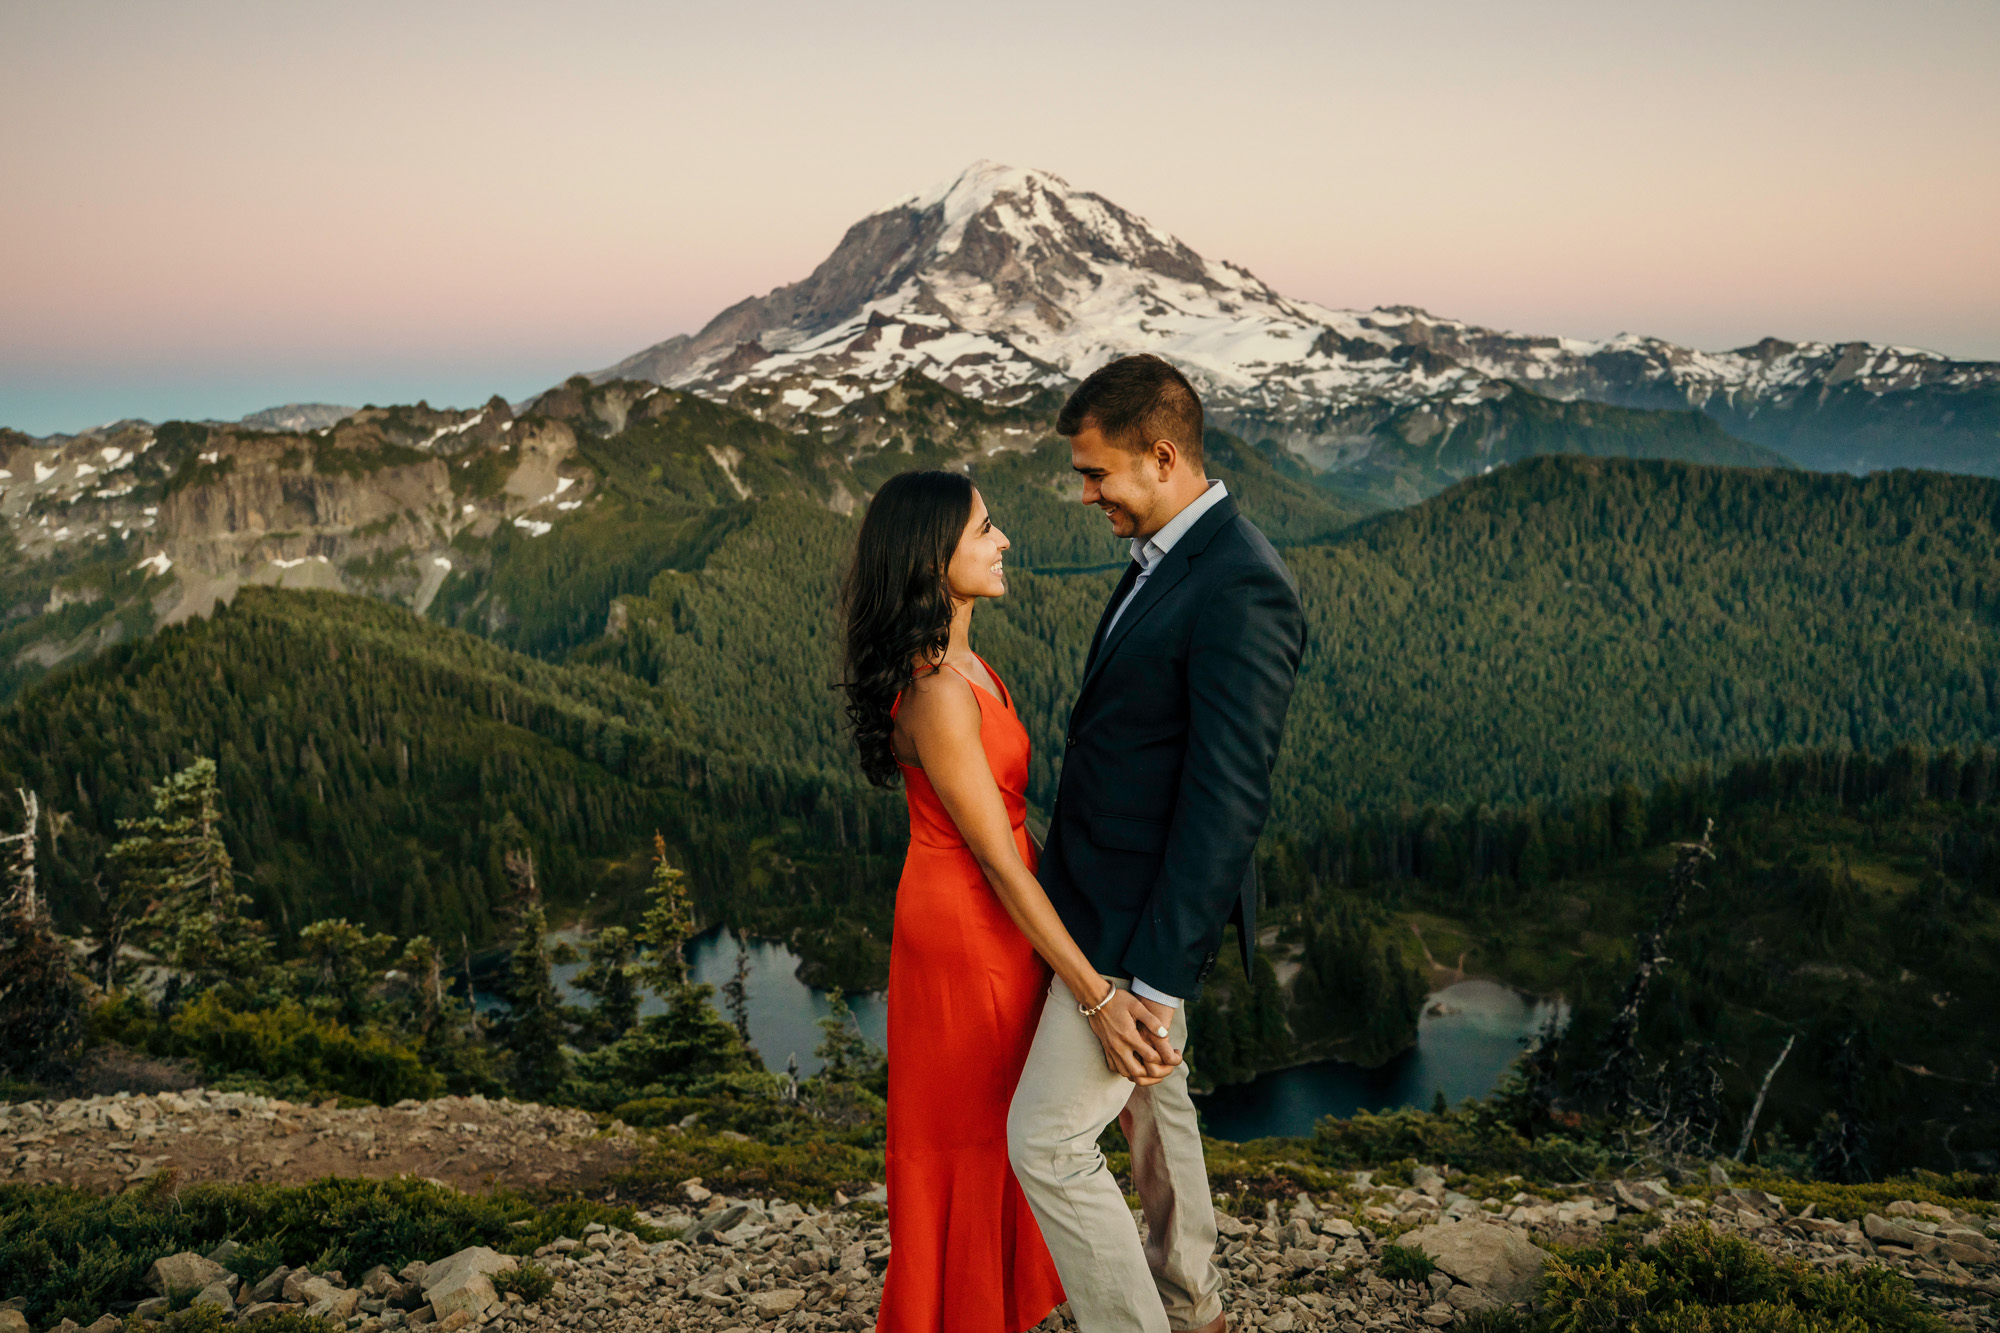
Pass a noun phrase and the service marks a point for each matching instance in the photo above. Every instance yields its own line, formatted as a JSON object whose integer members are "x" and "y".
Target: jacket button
{"x": 1069, "y": 740}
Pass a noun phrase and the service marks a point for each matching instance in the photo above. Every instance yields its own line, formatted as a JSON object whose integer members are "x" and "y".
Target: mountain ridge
{"x": 1002, "y": 280}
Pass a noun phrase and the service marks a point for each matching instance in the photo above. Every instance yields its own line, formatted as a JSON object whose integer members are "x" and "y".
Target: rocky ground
{"x": 104, "y": 1142}
{"x": 741, "y": 1263}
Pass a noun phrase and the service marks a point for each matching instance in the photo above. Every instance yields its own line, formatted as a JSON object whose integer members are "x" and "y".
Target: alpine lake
{"x": 1467, "y": 1037}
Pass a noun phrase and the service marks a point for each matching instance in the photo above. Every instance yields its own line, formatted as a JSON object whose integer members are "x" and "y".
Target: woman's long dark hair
{"x": 897, "y": 601}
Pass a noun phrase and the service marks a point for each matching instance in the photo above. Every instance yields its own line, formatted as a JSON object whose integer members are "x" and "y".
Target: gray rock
{"x": 304, "y": 1287}
{"x": 186, "y": 1271}
{"x": 771, "y": 1304}
{"x": 265, "y": 1309}
{"x": 270, "y": 1287}
{"x": 104, "y": 1323}
{"x": 1717, "y": 1175}
{"x": 221, "y": 1294}
{"x": 153, "y": 1307}
{"x": 379, "y": 1281}
{"x": 1498, "y": 1263}
{"x": 1880, "y": 1228}
{"x": 224, "y": 1252}
{"x": 724, "y": 1219}
{"x": 337, "y": 1304}
{"x": 464, "y": 1281}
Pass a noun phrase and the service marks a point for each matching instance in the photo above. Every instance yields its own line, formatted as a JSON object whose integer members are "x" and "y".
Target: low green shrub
{"x": 211, "y": 1319}
{"x": 288, "y": 1042}
{"x": 1973, "y": 1193}
{"x": 805, "y": 1172}
{"x": 71, "y": 1252}
{"x": 530, "y": 1281}
{"x": 1404, "y": 1263}
{"x": 1697, "y": 1280}
{"x": 1470, "y": 1137}
{"x": 284, "y": 1051}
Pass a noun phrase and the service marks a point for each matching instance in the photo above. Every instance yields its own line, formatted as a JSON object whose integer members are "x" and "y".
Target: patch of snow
{"x": 441, "y": 563}
{"x": 564, "y": 483}
{"x": 213, "y": 456}
{"x": 159, "y": 564}
{"x": 533, "y": 527}
{"x": 567, "y": 505}
{"x": 43, "y": 472}
{"x": 468, "y": 509}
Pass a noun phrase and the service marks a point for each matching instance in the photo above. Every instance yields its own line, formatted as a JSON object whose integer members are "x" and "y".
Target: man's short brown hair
{"x": 1134, "y": 401}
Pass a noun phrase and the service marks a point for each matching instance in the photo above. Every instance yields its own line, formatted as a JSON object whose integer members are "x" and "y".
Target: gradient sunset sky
{"x": 211, "y": 207}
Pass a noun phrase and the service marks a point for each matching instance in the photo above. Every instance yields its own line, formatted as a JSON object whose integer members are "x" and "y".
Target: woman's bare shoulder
{"x": 938, "y": 698}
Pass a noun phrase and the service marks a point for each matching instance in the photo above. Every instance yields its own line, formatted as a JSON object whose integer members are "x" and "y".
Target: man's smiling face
{"x": 1124, "y": 484}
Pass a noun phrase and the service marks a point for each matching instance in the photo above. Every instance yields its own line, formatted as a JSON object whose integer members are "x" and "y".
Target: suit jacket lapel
{"x": 1158, "y": 584}
{"x": 1118, "y": 595}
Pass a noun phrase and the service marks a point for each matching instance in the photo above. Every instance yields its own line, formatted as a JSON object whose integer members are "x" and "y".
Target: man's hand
{"x": 1133, "y": 1033}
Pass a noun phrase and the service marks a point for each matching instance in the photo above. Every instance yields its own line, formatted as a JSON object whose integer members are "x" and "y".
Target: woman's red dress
{"x": 965, "y": 996}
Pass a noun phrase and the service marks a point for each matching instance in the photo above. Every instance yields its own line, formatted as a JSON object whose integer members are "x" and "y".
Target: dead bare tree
{"x": 23, "y": 893}
{"x": 1615, "y": 1081}
{"x": 1763, "y": 1090}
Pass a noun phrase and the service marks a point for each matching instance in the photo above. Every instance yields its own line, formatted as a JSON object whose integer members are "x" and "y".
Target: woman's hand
{"x": 1133, "y": 1033}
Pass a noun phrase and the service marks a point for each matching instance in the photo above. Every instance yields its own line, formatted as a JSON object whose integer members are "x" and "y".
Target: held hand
{"x": 1133, "y": 1034}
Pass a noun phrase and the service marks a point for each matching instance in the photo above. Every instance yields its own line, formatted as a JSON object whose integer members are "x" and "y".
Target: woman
{"x": 965, "y": 983}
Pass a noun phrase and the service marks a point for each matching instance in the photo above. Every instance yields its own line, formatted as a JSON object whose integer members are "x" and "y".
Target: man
{"x": 1165, "y": 786}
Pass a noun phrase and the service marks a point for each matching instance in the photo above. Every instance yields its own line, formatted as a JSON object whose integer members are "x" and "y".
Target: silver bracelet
{"x": 1097, "y": 1008}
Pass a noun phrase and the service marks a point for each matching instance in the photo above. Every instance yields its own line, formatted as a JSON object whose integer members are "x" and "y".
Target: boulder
{"x": 270, "y": 1287}
{"x": 337, "y": 1304}
{"x": 186, "y": 1271}
{"x": 13, "y": 1321}
{"x": 104, "y": 1323}
{"x": 304, "y": 1287}
{"x": 724, "y": 1219}
{"x": 771, "y": 1304}
{"x": 220, "y": 1293}
{"x": 464, "y": 1281}
{"x": 224, "y": 1252}
{"x": 153, "y": 1307}
{"x": 1497, "y": 1262}
{"x": 379, "y": 1281}
{"x": 265, "y": 1309}
{"x": 1880, "y": 1228}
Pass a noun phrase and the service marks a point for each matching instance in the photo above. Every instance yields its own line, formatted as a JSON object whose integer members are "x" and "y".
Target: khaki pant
{"x": 1065, "y": 1099}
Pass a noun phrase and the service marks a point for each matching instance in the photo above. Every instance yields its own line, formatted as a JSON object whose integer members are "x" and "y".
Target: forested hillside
{"x": 1564, "y": 623}
{"x": 1853, "y": 905}
{"x": 1557, "y": 626}
{"x": 373, "y": 766}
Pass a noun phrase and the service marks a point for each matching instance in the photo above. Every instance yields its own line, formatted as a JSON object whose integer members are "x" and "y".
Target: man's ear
{"x": 1165, "y": 454}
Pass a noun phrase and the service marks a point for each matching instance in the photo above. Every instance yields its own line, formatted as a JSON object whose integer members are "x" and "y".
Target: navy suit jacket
{"x": 1166, "y": 778}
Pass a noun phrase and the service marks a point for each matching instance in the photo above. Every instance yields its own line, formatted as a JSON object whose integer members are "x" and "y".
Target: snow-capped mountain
{"x": 1003, "y": 279}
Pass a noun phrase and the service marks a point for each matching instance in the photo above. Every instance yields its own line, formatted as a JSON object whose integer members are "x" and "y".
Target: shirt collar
{"x": 1153, "y": 549}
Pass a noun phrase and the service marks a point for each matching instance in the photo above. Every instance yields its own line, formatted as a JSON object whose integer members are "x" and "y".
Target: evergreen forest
{"x": 1519, "y": 697}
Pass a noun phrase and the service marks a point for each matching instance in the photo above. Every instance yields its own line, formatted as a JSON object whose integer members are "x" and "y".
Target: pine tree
{"x": 176, "y": 860}
{"x": 844, "y": 1053}
{"x": 41, "y": 1003}
{"x": 609, "y": 977}
{"x": 338, "y": 964}
{"x": 736, "y": 992}
{"x": 664, "y": 929}
{"x": 534, "y": 1030}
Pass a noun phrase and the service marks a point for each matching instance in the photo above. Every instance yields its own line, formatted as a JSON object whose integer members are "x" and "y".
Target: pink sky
{"x": 211, "y": 207}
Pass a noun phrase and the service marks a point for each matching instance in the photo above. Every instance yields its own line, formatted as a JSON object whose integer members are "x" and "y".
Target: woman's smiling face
{"x": 976, "y": 568}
